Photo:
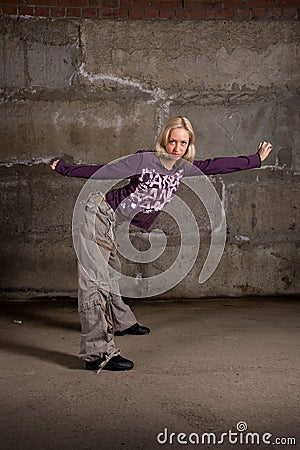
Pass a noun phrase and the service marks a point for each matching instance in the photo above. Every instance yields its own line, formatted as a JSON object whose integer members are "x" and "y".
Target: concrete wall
{"x": 92, "y": 91}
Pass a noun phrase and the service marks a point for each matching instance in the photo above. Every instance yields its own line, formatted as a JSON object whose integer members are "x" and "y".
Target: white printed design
{"x": 153, "y": 192}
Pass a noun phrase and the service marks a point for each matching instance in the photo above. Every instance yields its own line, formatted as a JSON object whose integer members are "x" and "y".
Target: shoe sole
{"x": 122, "y": 333}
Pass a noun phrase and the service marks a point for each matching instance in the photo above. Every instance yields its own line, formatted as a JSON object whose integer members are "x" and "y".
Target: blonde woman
{"x": 154, "y": 177}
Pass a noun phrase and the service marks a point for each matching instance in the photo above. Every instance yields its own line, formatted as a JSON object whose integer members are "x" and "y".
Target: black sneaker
{"x": 135, "y": 329}
{"x": 114, "y": 363}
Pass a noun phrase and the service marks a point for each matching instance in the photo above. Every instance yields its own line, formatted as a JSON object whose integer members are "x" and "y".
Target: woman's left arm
{"x": 229, "y": 164}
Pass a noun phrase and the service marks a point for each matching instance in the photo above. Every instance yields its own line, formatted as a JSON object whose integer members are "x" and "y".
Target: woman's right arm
{"x": 60, "y": 166}
{"x": 121, "y": 168}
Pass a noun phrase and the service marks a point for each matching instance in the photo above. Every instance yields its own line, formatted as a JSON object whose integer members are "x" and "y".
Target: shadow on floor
{"x": 59, "y": 358}
{"x": 41, "y": 312}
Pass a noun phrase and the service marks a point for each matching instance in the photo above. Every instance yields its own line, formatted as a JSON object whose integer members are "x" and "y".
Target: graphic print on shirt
{"x": 153, "y": 192}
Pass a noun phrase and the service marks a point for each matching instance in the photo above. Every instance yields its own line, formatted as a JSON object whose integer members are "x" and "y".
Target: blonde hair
{"x": 163, "y": 137}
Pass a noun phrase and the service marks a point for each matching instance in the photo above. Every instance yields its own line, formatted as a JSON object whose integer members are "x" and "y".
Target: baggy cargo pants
{"x": 100, "y": 305}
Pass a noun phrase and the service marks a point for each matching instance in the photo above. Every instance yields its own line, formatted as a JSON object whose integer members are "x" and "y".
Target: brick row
{"x": 144, "y": 9}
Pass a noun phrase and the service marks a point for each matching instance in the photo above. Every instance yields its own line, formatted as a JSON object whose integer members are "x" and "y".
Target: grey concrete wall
{"x": 92, "y": 91}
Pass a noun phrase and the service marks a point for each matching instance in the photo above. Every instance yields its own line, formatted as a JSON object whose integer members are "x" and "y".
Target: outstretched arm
{"x": 229, "y": 164}
{"x": 63, "y": 168}
{"x": 121, "y": 168}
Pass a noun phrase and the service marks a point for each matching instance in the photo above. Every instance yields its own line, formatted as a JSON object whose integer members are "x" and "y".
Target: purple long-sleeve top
{"x": 151, "y": 185}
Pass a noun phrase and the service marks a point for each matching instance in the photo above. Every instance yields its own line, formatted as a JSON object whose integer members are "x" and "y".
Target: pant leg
{"x": 101, "y": 311}
{"x": 97, "y": 330}
{"x": 122, "y": 315}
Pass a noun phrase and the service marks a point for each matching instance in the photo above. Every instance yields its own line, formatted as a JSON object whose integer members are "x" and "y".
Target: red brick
{"x": 258, "y": 12}
{"x": 198, "y": 5}
{"x": 166, "y": 13}
{"x": 44, "y": 3}
{"x": 243, "y": 13}
{"x": 197, "y": 13}
{"x": 227, "y": 13}
{"x": 106, "y": 12}
{"x": 233, "y": 4}
{"x": 217, "y": 5}
{"x": 58, "y": 12}
{"x": 121, "y": 13}
{"x": 26, "y": 10}
{"x": 219, "y": 13}
{"x": 137, "y": 3}
{"x": 274, "y": 12}
{"x": 74, "y": 12}
{"x": 108, "y": 3}
{"x": 14, "y": 2}
{"x": 290, "y": 12}
{"x": 166, "y": 4}
{"x": 259, "y": 3}
{"x": 73, "y": 3}
{"x": 151, "y": 13}
{"x": 41, "y": 11}
{"x": 11, "y": 10}
{"x": 183, "y": 13}
{"x": 212, "y": 13}
{"x": 136, "y": 13}
{"x": 89, "y": 12}
{"x": 287, "y": 3}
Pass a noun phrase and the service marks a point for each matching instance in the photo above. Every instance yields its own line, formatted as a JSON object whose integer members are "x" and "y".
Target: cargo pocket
{"x": 100, "y": 221}
{"x": 96, "y": 322}
{"x": 105, "y": 227}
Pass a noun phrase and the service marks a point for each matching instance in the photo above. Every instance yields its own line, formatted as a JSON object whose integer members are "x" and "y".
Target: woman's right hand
{"x": 54, "y": 164}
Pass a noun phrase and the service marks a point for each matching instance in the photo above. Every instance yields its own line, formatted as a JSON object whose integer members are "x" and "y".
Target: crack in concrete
{"x": 158, "y": 95}
{"x": 27, "y": 162}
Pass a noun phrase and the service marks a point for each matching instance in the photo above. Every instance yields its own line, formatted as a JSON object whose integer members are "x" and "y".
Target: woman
{"x": 154, "y": 178}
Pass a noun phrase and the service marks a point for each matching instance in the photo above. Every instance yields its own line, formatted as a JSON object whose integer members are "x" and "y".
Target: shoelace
{"x": 108, "y": 358}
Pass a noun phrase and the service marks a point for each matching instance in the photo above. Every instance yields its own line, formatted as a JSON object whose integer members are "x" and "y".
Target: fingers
{"x": 54, "y": 164}
{"x": 264, "y": 149}
{"x": 264, "y": 145}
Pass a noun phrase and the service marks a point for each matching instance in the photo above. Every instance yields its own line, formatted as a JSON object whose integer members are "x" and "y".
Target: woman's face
{"x": 178, "y": 143}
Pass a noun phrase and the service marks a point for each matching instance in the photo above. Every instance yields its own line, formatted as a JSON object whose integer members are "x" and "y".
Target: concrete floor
{"x": 206, "y": 366}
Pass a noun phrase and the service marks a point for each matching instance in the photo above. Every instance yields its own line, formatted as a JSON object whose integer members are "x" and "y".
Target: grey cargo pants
{"x": 100, "y": 305}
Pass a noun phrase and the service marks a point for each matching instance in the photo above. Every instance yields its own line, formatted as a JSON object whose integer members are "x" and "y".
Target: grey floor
{"x": 206, "y": 366}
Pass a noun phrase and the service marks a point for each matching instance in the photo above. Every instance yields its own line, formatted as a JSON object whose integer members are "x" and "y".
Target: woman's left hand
{"x": 264, "y": 149}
